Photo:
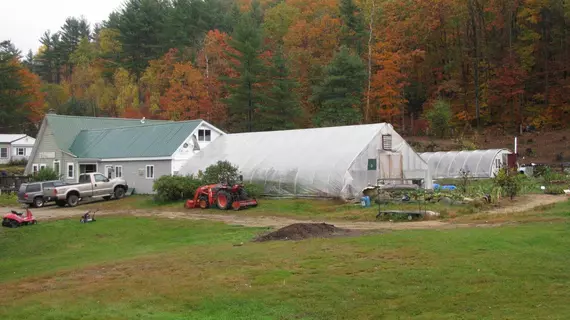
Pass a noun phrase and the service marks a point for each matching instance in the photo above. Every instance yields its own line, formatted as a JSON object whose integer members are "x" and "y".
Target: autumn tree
{"x": 339, "y": 95}
{"x": 21, "y": 101}
{"x": 246, "y": 93}
{"x": 186, "y": 97}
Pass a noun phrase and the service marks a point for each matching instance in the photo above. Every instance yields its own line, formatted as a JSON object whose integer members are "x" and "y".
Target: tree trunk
{"x": 476, "y": 63}
{"x": 371, "y": 28}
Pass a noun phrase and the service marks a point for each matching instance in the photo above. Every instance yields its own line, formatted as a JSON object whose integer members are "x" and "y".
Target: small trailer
{"x": 400, "y": 193}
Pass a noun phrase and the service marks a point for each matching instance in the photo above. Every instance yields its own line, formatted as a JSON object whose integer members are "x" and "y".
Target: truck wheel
{"x": 119, "y": 193}
{"x": 38, "y": 202}
{"x": 72, "y": 200}
{"x": 223, "y": 200}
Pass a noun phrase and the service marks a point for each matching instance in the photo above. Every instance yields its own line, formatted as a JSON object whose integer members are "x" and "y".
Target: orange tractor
{"x": 222, "y": 195}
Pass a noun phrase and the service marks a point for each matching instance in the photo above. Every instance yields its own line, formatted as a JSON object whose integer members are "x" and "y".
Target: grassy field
{"x": 144, "y": 268}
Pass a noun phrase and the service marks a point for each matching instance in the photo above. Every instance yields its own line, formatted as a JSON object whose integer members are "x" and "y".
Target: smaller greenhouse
{"x": 479, "y": 163}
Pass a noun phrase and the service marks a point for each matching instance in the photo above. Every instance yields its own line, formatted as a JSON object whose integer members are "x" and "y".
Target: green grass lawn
{"x": 144, "y": 268}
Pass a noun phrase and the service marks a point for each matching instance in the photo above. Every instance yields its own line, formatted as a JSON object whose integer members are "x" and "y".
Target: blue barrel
{"x": 365, "y": 201}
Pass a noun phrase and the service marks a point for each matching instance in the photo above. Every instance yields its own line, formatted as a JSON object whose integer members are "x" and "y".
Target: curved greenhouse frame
{"x": 317, "y": 162}
{"x": 479, "y": 163}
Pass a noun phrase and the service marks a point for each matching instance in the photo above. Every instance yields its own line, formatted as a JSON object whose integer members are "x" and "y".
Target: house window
{"x": 387, "y": 142}
{"x": 56, "y": 168}
{"x": 118, "y": 171}
{"x": 42, "y": 166}
{"x": 150, "y": 172}
{"x": 35, "y": 168}
{"x": 21, "y": 151}
{"x": 70, "y": 170}
{"x": 204, "y": 135}
{"x": 4, "y": 153}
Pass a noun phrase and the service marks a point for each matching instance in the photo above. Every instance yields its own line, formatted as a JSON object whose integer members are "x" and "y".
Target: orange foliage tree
{"x": 187, "y": 96}
{"x": 31, "y": 88}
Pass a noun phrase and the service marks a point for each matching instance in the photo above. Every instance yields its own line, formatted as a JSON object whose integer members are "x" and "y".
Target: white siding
{"x": 183, "y": 154}
{"x": 134, "y": 172}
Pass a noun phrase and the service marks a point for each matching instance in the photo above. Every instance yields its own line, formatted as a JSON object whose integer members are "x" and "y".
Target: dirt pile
{"x": 299, "y": 231}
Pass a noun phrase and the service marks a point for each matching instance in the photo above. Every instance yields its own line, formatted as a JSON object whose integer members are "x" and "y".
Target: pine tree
{"x": 352, "y": 31}
{"x": 340, "y": 93}
{"x": 11, "y": 104}
{"x": 245, "y": 91}
{"x": 282, "y": 107}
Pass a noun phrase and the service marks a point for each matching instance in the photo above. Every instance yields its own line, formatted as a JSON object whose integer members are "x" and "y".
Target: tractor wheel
{"x": 14, "y": 224}
{"x": 72, "y": 200}
{"x": 223, "y": 200}
{"x": 236, "y": 206}
{"x": 203, "y": 203}
{"x": 38, "y": 202}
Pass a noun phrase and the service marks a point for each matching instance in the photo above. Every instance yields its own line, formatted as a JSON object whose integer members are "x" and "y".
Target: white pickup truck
{"x": 91, "y": 185}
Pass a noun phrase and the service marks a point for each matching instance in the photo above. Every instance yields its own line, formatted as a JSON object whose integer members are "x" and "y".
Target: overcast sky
{"x": 24, "y": 21}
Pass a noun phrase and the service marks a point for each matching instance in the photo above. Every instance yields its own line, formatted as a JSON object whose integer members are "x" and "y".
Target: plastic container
{"x": 365, "y": 201}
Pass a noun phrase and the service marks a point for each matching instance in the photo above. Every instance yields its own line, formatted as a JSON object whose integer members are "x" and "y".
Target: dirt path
{"x": 52, "y": 213}
{"x": 524, "y": 204}
{"x": 528, "y": 203}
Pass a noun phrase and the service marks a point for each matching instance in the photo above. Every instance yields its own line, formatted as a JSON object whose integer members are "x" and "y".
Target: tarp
{"x": 327, "y": 162}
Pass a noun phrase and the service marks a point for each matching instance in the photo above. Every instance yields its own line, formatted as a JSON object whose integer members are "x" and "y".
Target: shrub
{"x": 173, "y": 188}
{"x": 223, "y": 171}
{"x": 8, "y": 199}
{"x": 554, "y": 190}
{"x": 46, "y": 174}
{"x": 16, "y": 171}
{"x": 439, "y": 118}
{"x": 253, "y": 190}
{"x": 508, "y": 181}
{"x": 20, "y": 163}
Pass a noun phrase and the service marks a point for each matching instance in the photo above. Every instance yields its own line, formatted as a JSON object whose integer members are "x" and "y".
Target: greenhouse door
{"x": 390, "y": 166}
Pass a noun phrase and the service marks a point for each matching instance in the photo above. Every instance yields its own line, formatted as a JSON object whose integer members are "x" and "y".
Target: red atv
{"x": 15, "y": 219}
{"x": 223, "y": 195}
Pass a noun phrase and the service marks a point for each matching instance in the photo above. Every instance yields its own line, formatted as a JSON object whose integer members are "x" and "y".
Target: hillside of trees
{"x": 248, "y": 65}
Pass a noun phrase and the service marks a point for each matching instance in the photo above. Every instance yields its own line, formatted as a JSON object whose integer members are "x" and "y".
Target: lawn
{"x": 144, "y": 268}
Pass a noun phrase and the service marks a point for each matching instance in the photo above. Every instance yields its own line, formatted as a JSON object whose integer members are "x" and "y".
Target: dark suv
{"x": 32, "y": 193}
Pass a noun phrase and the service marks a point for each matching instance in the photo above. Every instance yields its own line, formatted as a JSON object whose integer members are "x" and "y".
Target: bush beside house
{"x": 174, "y": 188}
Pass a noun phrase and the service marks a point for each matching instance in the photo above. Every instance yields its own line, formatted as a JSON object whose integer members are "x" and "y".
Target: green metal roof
{"x": 66, "y": 128}
{"x": 155, "y": 140}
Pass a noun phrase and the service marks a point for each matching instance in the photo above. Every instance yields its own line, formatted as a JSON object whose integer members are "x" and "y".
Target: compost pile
{"x": 299, "y": 231}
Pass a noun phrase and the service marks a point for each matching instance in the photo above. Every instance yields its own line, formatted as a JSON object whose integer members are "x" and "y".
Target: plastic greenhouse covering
{"x": 325, "y": 162}
{"x": 479, "y": 163}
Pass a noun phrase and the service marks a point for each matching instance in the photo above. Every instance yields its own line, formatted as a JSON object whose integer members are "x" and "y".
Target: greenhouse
{"x": 479, "y": 163}
{"x": 320, "y": 162}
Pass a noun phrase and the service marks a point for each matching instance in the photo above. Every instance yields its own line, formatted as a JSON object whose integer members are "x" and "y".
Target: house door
{"x": 390, "y": 166}
{"x": 109, "y": 172}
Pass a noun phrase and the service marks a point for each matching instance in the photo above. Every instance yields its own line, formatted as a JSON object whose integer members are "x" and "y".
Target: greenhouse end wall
{"x": 406, "y": 164}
